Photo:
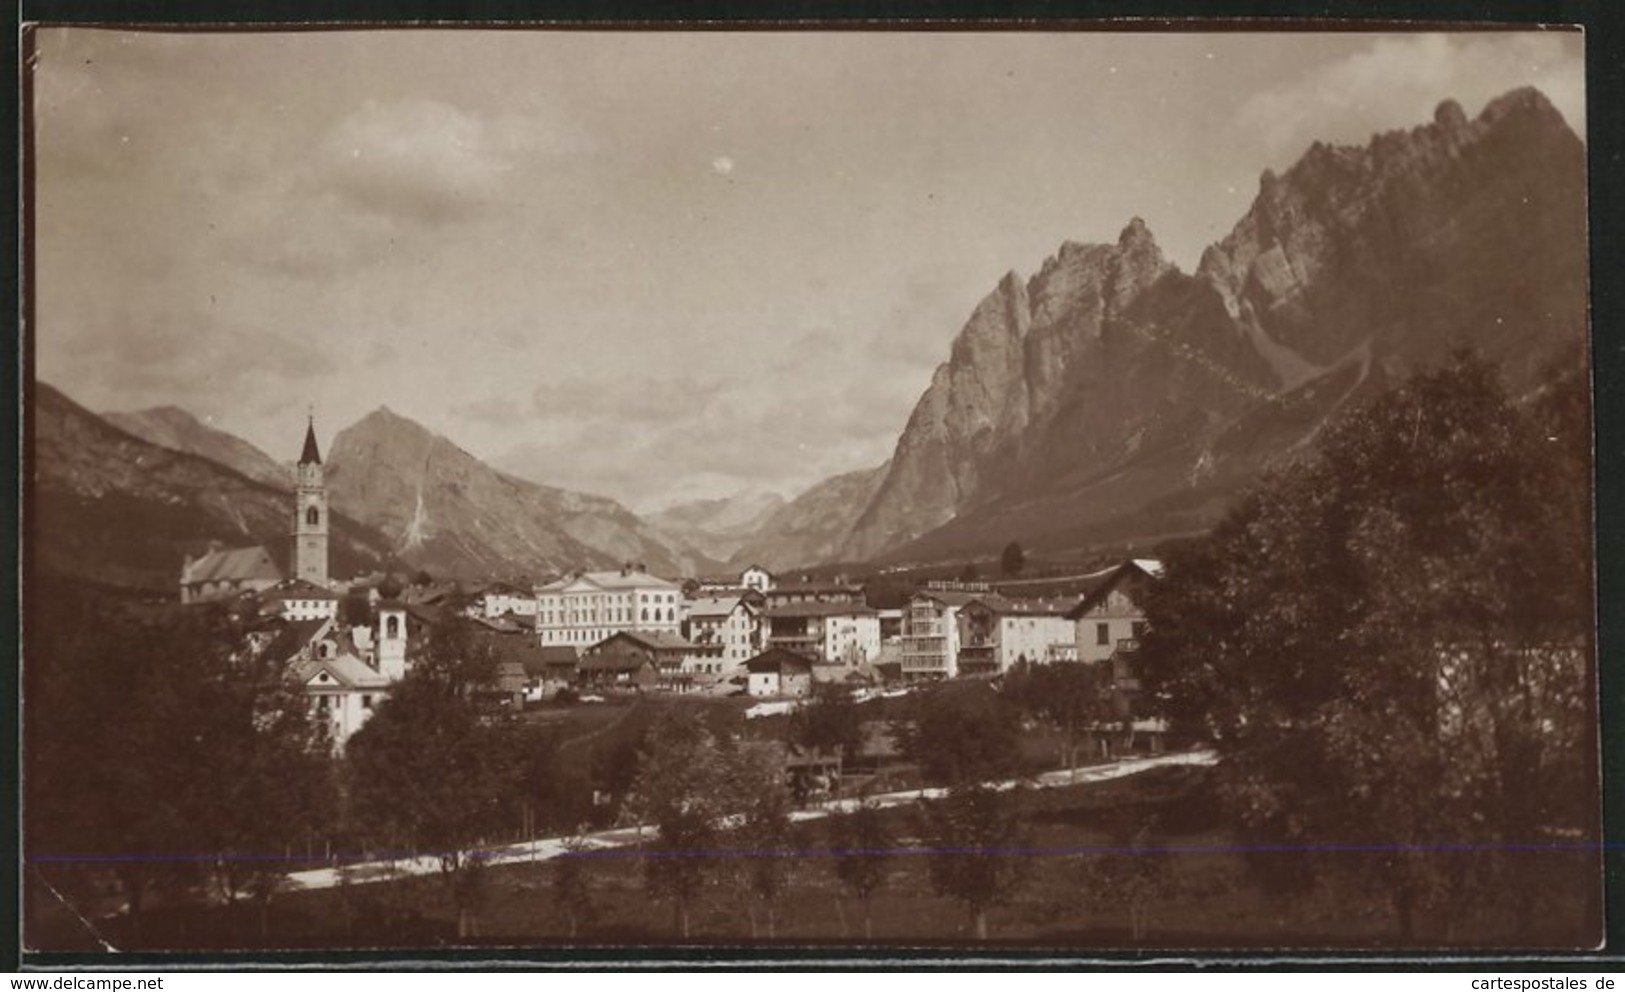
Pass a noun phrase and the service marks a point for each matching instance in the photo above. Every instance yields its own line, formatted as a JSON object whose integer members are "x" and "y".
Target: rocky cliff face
{"x": 447, "y": 511}
{"x": 810, "y": 527}
{"x": 112, "y": 508}
{"x": 172, "y": 427}
{"x": 1111, "y": 397}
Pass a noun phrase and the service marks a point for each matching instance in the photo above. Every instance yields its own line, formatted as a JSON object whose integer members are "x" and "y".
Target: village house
{"x": 1110, "y": 621}
{"x": 666, "y": 652}
{"x": 844, "y": 633}
{"x": 617, "y": 668}
{"x": 221, "y": 572}
{"x": 502, "y": 599}
{"x": 1111, "y": 616}
{"x": 298, "y": 599}
{"x": 779, "y": 672}
{"x": 586, "y": 608}
{"x": 550, "y": 669}
{"x": 931, "y": 630}
{"x": 996, "y": 633}
{"x": 813, "y": 591}
{"x": 730, "y": 624}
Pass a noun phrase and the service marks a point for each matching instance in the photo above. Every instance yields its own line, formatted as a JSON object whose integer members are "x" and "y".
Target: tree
{"x": 829, "y": 720}
{"x": 572, "y": 888}
{"x": 974, "y": 838}
{"x": 1132, "y": 875}
{"x": 862, "y": 846}
{"x": 763, "y": 833}
{"x": 427, "y": 774}
{"x": 1073, "y": 698}
{"x": 454, "y": 658}
{"x": 682, "y": 787}
{"x": 1389, "y": 643}
{"x": 970, "y": 573}
{"x": 1013, "y": 560}
{"x": 159, "y": 745}
{"x": 961, "y": 732}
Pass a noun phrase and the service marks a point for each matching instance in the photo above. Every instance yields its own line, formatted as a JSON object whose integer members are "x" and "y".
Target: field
{"x": 1203, "y": 895}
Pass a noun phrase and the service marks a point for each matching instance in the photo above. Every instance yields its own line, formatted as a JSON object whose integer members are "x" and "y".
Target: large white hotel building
{"x": 584, "y": 609}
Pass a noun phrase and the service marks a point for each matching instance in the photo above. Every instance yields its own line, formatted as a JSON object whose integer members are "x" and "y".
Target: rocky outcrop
{"x": 1113, "y": 398}
{"x": 445, "y": 510}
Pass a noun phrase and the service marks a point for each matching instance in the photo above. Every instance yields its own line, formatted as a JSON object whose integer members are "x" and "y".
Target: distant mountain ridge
{"x": 810, "y": 528}
{"x": 173, "y": 427}
{"x": 1112, "y": 397}
{"x": 445, "y": 510}
{"x": 110, "y": 507}
{"x": 718, "y": 527}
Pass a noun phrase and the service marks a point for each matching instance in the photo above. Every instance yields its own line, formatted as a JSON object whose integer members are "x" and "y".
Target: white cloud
{"x": 722, "y": 165}
{"x": 1398, "y": 80}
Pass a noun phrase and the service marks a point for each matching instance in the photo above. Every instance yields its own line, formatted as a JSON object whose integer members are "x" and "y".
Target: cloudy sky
{"x": 649, "y": 265}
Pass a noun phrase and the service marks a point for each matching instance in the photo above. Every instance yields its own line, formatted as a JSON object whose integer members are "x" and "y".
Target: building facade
{"x": 837, "y": 633}
{"x": 730, "y": 624}
{"x": 931, "y": 633}
{"x": 1112, "y": 616}
{"x": 586, "y": 608}
{"x": 997, "y": 633}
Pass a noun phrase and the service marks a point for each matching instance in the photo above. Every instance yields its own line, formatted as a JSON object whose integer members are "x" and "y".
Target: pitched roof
{"x": 231, "y": 564}
{"x": 713, "y": 607}
{"x": 1006, "y": 606}
{"x": 310, "y": 456}
{"x": 804, "y": 588}
{"x": 949, "y": 597}
{"x": 817, "y": 609}
{"x": 613, "y": 662}
{"x": 659, "y": 640}
{"x": 345, "y": 669}
{"x": 1143, "y": 567}
{"x": 294, "y": 637}
{"x": 298, "y": 589}
{"x": 619, "y": 579}
{"x": 777, "y": 660}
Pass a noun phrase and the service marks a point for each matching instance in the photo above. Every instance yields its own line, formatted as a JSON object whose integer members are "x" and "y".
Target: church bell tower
{"x": 310, "y": 514}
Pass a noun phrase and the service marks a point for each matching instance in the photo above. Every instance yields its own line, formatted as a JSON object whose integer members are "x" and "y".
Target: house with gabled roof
{"x": 342, "y": 690}
{"x": 842, "y": 633}
{"x": 1112, "y": 615}
{"x": 727, "y": 629}
{"x": 779, "y": 672}
{"x": 221, "y": 572}
{"x": 997, "y": 632}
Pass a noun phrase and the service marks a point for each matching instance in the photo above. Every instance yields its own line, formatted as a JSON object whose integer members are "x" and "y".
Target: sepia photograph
{"x": 1077, "y": 489}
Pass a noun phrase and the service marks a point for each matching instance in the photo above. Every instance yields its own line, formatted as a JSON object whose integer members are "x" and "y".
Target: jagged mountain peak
{"x": 1136, "y": 234}
{"x": 1111, "y": 387}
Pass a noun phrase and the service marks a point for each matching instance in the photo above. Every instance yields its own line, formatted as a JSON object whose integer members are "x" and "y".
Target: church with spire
{"x": 309, "y": 558}
{"x": 345, "y": 664}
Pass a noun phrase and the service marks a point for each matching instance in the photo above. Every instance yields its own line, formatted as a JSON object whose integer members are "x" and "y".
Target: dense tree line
{"x": 1390, "y": 645}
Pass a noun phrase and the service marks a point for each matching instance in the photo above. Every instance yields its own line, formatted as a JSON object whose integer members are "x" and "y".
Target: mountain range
{"x": 1113, "y": 398}
{"x": 121, "y": 498}
{"x": 1108, "y": 398}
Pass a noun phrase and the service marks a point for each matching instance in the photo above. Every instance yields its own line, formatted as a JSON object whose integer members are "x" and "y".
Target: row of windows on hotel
{"x": 615, "y": 615}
